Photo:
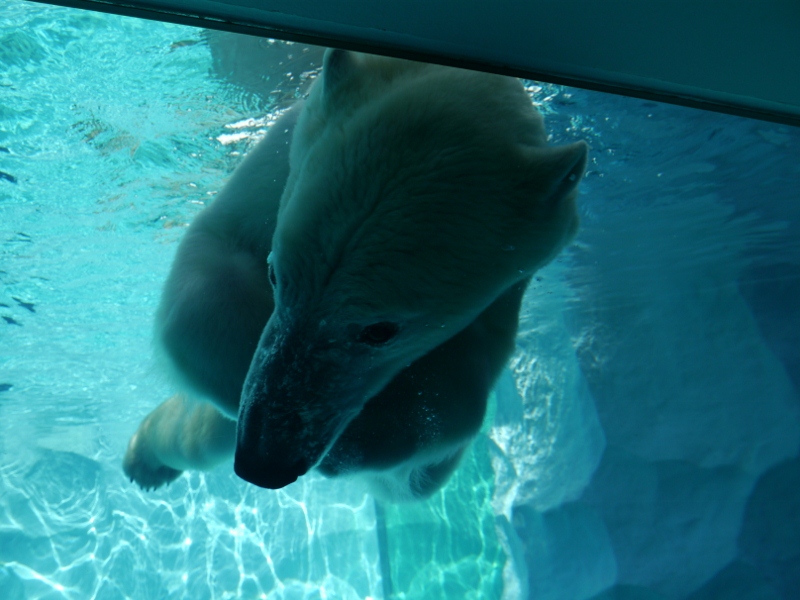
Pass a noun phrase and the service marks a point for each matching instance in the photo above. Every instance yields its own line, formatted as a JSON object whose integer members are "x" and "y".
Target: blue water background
{"x": 680, "y": 295}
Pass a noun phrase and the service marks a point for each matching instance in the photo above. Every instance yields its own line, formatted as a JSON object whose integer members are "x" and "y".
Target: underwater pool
{"x": 642, "y": 444}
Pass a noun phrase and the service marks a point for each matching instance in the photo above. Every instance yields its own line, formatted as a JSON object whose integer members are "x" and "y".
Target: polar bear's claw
{"x": 143, "y": 468}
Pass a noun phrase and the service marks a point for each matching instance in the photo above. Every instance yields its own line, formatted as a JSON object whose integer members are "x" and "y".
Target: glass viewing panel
{"x": 641, "y": 443}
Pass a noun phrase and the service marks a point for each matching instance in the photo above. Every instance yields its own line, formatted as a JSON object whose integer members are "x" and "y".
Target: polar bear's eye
{"x": 378, "y": 334}
{"x": 271, "y": 273}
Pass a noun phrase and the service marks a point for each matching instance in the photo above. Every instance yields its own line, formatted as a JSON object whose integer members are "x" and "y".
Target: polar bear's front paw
{"x": 142, "y": 466}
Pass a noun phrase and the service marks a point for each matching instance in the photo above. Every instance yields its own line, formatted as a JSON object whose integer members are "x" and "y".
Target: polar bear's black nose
{"x": 270, "y": 452}
{"x": 263, "y": 472}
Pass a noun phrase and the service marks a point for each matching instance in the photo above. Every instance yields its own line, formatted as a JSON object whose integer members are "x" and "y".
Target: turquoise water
{"x": 645, "y": 436}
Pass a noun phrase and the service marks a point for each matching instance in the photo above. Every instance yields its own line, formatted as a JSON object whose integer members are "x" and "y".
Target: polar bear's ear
{"x": 557, "y": 171}
{"x": 338, "y": 67}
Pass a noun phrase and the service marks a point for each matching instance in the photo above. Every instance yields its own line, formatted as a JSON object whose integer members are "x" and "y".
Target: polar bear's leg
{"x": 180, "y": 434}
{"x": 409, "y": 482}
{"x": 424, "y": 481}
{"x": 213, "y": 308}
{"x": 217, "y": 298}
{"x": 215, "y": 303}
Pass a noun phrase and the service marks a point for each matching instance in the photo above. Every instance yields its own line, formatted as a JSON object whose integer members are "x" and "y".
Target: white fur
{"x": 413, "y": 194}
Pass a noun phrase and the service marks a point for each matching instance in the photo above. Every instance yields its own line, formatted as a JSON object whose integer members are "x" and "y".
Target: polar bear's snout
{"x": 295, "y": 403}
{"x": 271, "y": 466}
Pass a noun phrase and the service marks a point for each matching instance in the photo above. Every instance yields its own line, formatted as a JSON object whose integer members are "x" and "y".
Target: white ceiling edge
{"x": 734, "y": 56}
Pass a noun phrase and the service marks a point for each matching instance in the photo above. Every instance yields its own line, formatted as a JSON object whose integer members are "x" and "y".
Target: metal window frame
{"x": 734, "y": 56}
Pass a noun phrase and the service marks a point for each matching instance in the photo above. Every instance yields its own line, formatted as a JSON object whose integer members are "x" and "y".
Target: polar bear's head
{"x": 417, "y": 195}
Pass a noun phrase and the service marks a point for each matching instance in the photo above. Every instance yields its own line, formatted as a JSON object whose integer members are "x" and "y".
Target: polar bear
{"x": 349, "y": 298}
